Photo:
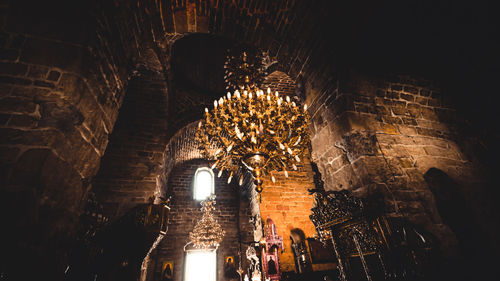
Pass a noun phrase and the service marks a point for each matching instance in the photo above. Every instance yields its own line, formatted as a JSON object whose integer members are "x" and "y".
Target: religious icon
{"x": 167, "y": 273}
{"x": 271, "y": 266}
{"x": 230, "y": 269}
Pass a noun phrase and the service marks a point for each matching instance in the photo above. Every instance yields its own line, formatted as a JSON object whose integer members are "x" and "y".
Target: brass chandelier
{"x": 207, "y": 232}
{"x": 263, "y": 132}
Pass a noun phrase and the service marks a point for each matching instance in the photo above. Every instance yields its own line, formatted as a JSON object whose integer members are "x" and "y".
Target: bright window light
{"x": 200, "y": 266}
{"x": 203, "y": 184}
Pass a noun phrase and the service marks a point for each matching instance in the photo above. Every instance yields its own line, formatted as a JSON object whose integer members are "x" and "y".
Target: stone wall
{"x": 380, "y": 136}
{"x": 63, "y": 73}
{"x": 232, "y": 212}
{"x": 128, "y": 171}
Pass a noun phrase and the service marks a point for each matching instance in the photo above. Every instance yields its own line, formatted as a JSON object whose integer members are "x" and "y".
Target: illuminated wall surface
{"x": 96, "y": 98}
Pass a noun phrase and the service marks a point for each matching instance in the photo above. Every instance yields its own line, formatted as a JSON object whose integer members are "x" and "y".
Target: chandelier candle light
{"x": 263, "y": 132}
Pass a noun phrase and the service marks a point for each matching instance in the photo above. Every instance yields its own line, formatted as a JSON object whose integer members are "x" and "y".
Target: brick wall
{"x": 288, "y": 203}
{"x": 185, "y": 212}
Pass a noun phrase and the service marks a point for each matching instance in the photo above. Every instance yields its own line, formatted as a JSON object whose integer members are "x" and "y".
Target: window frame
{"x": 212, "y": 182}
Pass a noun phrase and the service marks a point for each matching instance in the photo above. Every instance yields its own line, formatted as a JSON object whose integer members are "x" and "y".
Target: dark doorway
{"x": 453, "y": 209}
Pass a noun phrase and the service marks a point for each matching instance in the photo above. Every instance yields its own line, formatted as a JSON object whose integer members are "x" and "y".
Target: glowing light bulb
{"x": 287, "y": 99}
{"x": 268, "y": 90}
{"x": 206, "y": 110}
{"x": 305, "y": 107}
{"x": 228, "y": 95}
{"x": 273, "y": 179}
{"x": 215, "y": 104}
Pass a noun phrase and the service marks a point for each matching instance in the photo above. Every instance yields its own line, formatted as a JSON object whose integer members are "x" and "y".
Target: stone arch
{"x": 181, "y": 147}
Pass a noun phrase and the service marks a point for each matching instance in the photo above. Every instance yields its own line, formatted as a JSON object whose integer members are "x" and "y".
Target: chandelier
{"x": 250, "y": 129}
{"x": 207, "y": 233}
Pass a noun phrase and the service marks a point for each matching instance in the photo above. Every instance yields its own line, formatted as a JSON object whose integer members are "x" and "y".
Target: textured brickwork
{"x": 281, "y": 82}
{"x": 288, "y": 203}
{"x": 380, "y": 136}
{"x": 128, "y": 171}
{"x": 185, "y": 212}
{"x": 64, "y": 71}
{"x": 63, "y": 74}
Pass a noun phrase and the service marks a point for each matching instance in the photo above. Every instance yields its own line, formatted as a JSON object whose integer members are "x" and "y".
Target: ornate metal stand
{"x": 385, "y": 250}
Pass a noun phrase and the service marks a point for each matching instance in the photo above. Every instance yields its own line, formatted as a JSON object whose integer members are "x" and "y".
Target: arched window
{"x": 203, "y": 183}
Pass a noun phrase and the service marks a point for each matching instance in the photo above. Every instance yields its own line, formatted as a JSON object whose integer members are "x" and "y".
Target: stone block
{"x": 37, "y": 71}
{"x": 407, "y": 97}
{"x": 425, "y": 93}
{"x": 399, "y": 108}
{"x": 388, "y": 129}
{"x": 411, "y": 90}
{"x": 8, "y": 155}
{"x": 9, "y": 54}
{"x": 35, "y": 137}
{"x": 16, "y": 105}
{"x": 392, "y": 95}
{"x": 53, "y": 54}
{"x": 414, "y": 109}
{"x": 15, "y": 80}
{"x": 23, "y": 121}
{"x": 414, "y": 150}
{"x": 421, "y": 100}
{"x": 5, "y": 90}
{"x": 428, "y": 132}
{"x": 4, "y": 118}
{"x": 72, "y": 87}
{"x": 53, "y": 75}
{"x": 40, "y": 83}
{"x": 14, "y": 69}
{"x": 406, "y": 130}
{"x": 409, "y": 121}
{"x": 392, "y": 120}
{"x": 396, "y": 87}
